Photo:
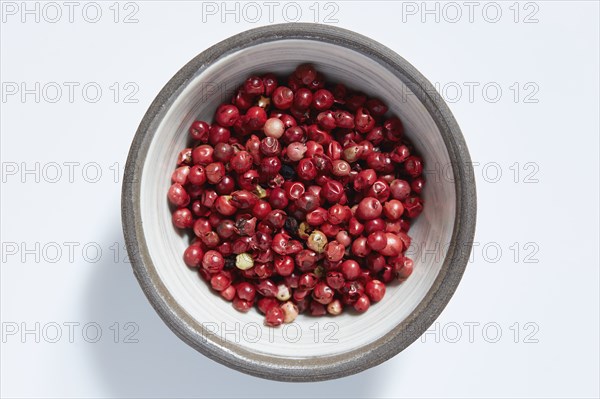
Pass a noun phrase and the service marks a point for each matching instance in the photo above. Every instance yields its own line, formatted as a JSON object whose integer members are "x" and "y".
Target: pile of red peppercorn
{"x": 299, "y": 197}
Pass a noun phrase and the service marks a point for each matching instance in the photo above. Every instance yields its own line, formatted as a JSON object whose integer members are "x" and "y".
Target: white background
{"x": 550, "y": 208}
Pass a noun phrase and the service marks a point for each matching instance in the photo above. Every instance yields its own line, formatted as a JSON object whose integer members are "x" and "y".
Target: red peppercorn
{"x": 417, "y": 185}
{"x": 413, "y": 206}
{"x": 335, "y": 280}
{"x": 283, "y": 97}
{"x": 255, "y": 118}
{"x": 413, "y": 166}
{"x": 215, "y": 172}
{"x": 317, "y": 309}
{"x": 375, "y": 262}
{"x": 270, "y": 83}
{"x": 381, "y": 162}
{"x": 306, "y": 169}
{"x": 210, "y": 239}
{"x": 387, "y": 274}
{"x": 393, "y": 209}
{"x": 400, "y": 189}
{"x": 306, "y": 260}
{"x": 197, "y": 175}
{"x": 355, "y": 228}
{"x": 180, "y": 175}
{"x": 330, "y": 230}
{"x": 394, "y": 129}
{"x": 226, "y": 229}
{"x": 242, "y": 100}
{"x": 355, "y": 101}
{"x": 246, "y": 291}
{"x": 376, "y": 107}
{"x": 406, "y": 270}
{"x": 307, "y": 281}
{"x": 270, "y": 166}
{"x": 245, "y": 225}
{"x": 241, "y": 305}
{"x": 218, "y": 134}
{"x": 177, "y": 195}
{"x": 248, "y": 180}
{"x": 201, "y": 227}
{"x": 322, "y": 293}
{"x": 377, "y": 240}
{"x": 360, "y": 247}
{"x": 332, "y": 191}
{"x": 316, "y": 217}
{"x": 293, "y": 190}
{"x": 261, "y": 209}
{"x": 334, "y": 251}
{"x": 350, "y": 269}
{"x": 182, "y": 218}
{"x": 220, "y": 281}
{"x": 369, "y": 208}
{"x": 338, "y": 214}
{"x": 184, "y": 157}
{"x": 302, "y": 99}
{"x": 326, "y": 120}
{"x": 276, "y": 218}
{"x": 343, "y": 238}
{"x": 266, "y": 288}
{"x": 264, "y": 304}
{"x": 199, "y": 131}
{"x": 244, "y": 199}
{"x": 278, "y": 198}
{"x": 254, "y": 85}
{"x": 228, "y": 293}
{"x": 322, "y": 100}
{"x": 284, "y": 265}
{"x": 213, "y": 262}
{"x": 227, "y": 115}
{"x": 374, "y": 225}
{"x": 193, "y": 255}
{"x": 399, "y": 154}
{"x": 375, "y": 136}
{"x": 223, "y": 152}
{"x": 380, "y": 190}
{"x": 274, "y": 316}
{"x": 295, "y": 134}
{"x": 363, "y": 121}
{"x": 224, "y": 205}
{"x": 307, "y": 202}
{"x": 203, "y": 154}
{"x": 375, "y": 290}
{"x": 362, "y": 304}
{"x": 344, "y": 119}
{"x": 393, "y": 246}
{"x": 364, "y": 179}
{"x": 351, "y": 291}
{"x": 305, "y": 73}
{"x": 225, "y": 186}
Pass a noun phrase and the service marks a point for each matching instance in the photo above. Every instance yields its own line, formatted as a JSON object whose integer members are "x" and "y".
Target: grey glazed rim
{"x": 322, "y": 368}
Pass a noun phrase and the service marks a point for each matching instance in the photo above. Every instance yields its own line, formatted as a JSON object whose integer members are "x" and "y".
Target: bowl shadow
{"x": 159, "y": 364}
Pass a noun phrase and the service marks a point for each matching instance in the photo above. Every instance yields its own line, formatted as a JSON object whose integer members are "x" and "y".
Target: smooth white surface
{"x": 559, "y": 213}
{"x": 166, "y": 245}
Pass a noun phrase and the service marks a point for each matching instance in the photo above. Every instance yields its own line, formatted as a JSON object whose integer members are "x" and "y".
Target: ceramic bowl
{"x": 311, "y": 348}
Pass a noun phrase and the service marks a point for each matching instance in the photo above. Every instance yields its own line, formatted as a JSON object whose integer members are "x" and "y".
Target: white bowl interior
{"x": 308, "y": 336}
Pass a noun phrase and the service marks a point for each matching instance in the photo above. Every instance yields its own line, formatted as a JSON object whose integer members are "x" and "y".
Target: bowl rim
{"x": 322, "y": 368}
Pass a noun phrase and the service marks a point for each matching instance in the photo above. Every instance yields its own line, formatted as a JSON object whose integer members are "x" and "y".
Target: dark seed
{"x": 230, "y": 262}
{"x": 287, "y": 172}
{"x": 291, "y": 226}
